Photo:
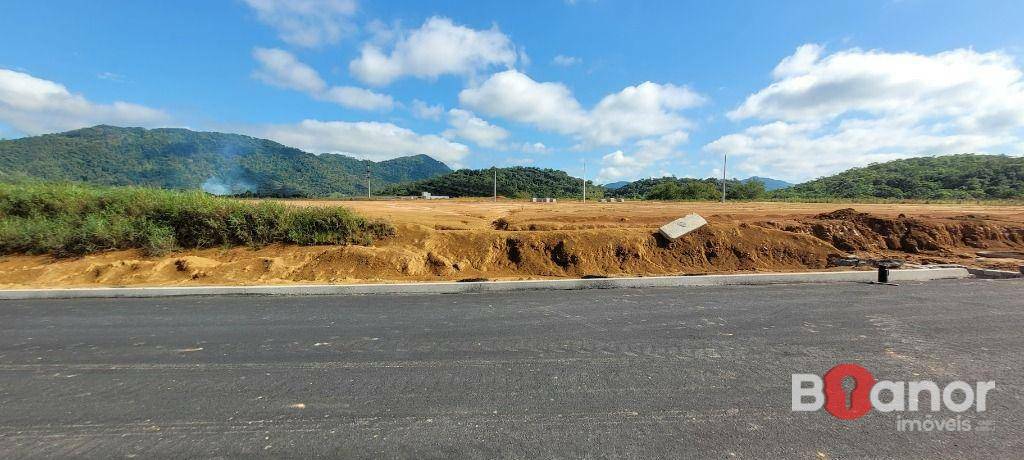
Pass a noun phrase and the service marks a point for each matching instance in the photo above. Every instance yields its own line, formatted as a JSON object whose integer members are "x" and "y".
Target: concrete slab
{"x": 995, "y": 274}
{"x": 679, "y": 227}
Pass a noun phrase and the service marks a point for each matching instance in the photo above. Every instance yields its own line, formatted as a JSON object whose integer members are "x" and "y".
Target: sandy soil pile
{"x": 953, "y": 239}
{"x": 459, "y": 240}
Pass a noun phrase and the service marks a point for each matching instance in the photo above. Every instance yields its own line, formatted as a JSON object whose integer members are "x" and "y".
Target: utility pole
{"x": 584, "y": 180}
{"x": 367, "y": 182}
{"x": 725, "y": 161}
{"x": 495, "y": 184}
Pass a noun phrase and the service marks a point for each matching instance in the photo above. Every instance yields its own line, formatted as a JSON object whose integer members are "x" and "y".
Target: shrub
{"x": 67, "y": 219}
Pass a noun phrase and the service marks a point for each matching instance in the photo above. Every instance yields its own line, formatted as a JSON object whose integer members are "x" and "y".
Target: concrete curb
{"x": 928, "y": 274}
{"x": 986, "y": 273}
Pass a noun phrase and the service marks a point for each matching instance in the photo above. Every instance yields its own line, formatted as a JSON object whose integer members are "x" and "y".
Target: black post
{"x": 883, "y": 274}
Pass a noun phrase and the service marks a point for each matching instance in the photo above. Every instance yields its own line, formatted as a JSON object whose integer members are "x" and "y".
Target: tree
{"x": 965, "y": 176}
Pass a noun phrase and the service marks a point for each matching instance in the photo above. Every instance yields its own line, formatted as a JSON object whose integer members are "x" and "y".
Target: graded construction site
{"x": 510, "y": 240}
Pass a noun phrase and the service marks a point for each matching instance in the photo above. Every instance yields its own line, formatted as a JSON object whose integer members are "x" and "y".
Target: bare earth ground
{"x": 476, "y": 239}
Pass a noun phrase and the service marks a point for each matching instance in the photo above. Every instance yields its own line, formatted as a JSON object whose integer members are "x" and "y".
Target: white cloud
{"x": 307, "y": 23}
{"x": 647, "y": 154}
{"x": 799, "y": 151}
{"x": 534, "y": 147}
{"x": 368, "y": 140}
{"x": 801, "y": 62}
{"x": 426, "y": 111}
{"x": 826, "y": 114}
{"x": 33, "y": 105}
{"x": 517, "y": 97}
{"x": 566, "y": 61}
{"x": 282, "y": 69}
{"x": 524, "y": 59}
{"x": 467, "y": 126}
{"x": 438, "y": 47}
{"x": 382, "y": 33}
{"x": 648, "y": 109}
{"x": 519, "y": 161}
{"x": 358, "y": 98}
{"x": 111, "y": 76}
{"x": 958, "y": 83}
{"x": 617, "y": 165}
{"x": 647, "y": 116}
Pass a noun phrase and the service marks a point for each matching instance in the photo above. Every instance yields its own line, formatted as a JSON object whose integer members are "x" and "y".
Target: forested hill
{"x": 235, "y": 164}
{"x": 217, "y": 162}
{"x": 672, "y": 188}
{"x": 517, "y": 182}
{"x": 965, "y": 176}
{"x": 769, "y": 183}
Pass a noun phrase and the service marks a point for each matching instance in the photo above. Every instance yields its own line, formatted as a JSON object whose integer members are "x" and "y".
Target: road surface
{"x": 693, "y": 372}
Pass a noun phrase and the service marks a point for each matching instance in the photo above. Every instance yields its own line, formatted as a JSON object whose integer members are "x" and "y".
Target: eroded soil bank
{"x": 460, "y": 241}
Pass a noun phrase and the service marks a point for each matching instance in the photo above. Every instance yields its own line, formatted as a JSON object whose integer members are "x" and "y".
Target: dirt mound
{"x": 516, "y": 241}
{"x": 576, "y": 253}
{"x": 852, "y": 231}
{"x": 841, "y": 214}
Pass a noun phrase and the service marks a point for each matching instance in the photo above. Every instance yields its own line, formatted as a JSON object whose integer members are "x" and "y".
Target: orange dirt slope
{"x": 466, "y": 239}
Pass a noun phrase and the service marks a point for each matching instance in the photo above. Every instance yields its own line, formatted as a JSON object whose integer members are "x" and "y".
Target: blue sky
{"x": 791, "y": 90}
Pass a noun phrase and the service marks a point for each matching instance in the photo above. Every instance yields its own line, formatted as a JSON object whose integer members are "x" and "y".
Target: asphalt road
{"x": 692, "y": 372}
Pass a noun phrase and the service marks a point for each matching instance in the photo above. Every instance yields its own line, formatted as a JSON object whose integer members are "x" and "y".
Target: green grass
{"x": 70, "y": 219}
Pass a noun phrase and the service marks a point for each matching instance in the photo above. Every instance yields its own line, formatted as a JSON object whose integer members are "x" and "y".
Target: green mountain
{"x": 217, "y": 162}
{"x": 672, "y": 188}
{"x": 966, "y": 176}
{"x": 769, "y": 183}
{"x": 643, "y": 186}
{"x": 517, "y": 182}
